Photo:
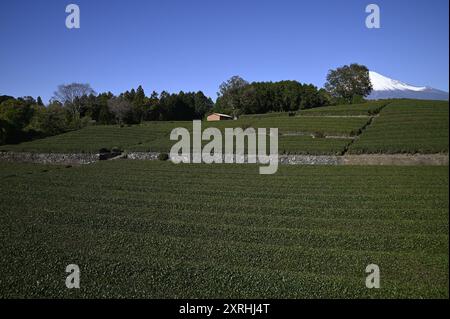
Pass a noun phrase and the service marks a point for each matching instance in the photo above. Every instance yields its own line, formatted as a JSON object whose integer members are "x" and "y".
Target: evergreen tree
{"x": 39, "y": 101}
{"x": 139, "y": 98}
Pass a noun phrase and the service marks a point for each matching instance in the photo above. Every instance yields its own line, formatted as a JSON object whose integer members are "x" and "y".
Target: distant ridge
{"x": 386, "y": 88}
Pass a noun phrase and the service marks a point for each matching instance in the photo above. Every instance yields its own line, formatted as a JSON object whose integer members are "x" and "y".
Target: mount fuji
{"x": 386, "y": 88}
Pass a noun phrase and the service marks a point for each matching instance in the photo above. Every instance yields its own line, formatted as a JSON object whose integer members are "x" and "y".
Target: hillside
{"x": 399, "y": 126}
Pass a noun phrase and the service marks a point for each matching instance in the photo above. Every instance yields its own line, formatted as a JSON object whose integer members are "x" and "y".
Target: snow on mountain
{"x": 386, "y": 88}
{"x": 382, "y": 83}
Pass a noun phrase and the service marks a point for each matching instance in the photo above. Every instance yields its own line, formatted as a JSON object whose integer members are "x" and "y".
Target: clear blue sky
{"x": 194, "y": 45}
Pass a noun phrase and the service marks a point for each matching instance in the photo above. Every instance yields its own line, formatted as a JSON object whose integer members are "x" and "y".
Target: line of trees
{"x": 236, "y": 96}
{"x": 133, "y": 107}
{"x": 19, "y": 118}
{"x": 76, "y": 105}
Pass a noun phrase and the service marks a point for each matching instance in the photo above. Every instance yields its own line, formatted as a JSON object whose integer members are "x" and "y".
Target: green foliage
{"x": 139, "y": 105}
{"x": 264, "y": 97}
{"x": 229, "y": 98}
{"x": 16, "y": 112}
{"x": 349, "y": 82}
{"x": 183, "y": 106}
{"x": 49, "y": 120}
{"x": 39, "y": 101}
{"x": 4, "y": 98}
{"x": 5, "y": 130}
{"x": 223, "y": 231}
{"x": 15, "y": 115}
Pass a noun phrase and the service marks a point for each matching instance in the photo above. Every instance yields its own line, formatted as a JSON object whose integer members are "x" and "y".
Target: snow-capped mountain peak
{"x": 383, "y": 83}
{"x": 386, "y": 88}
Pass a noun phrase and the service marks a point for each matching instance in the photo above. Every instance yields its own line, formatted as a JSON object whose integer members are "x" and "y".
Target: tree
{"x": 324, "y": 97}
{"x": 122, "y": 109}
{"x": 139, "y": 104}
{"x": 15, "y": 115}
{"x": 154, "y": 95}
{"x": 50, "y": 120}
{"x": 99, "y": 110}
{"x": 139, "y": 98}
{"x": 231, "y": 85}
{"x": 28, "y": 100}
{"x": 39, "y": 101}
{"x": 4, "y": 131}
{"x": 182, "y": 106}
{"x": 229, "y": 97}
{"x": 310, "y": 97}
{"x": 5, "y": 98}
{"x": 348, "y": 81}
{"x": 16, "y": 112}
{"x": 70, "y": 96}
{"x": 151, "y": 107}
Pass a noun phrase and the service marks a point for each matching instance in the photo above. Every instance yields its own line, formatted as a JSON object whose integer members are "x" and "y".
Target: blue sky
{"x": 194, "y": 45}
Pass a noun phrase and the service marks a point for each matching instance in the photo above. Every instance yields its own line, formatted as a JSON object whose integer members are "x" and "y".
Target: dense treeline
{"x": 20, "y": 117}
{"x": 237, "y": 97}
{"x": 133, "y": 107}
{"x": 77, "y": 105}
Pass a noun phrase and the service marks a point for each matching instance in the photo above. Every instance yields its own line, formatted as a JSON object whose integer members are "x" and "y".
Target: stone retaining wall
{"x": 151, "y": 156}
{"x": 395, "y": 159}
{"x": 363, "y": 159}
{"x": 48, "y": 158}
{"x": 309, "y": 159}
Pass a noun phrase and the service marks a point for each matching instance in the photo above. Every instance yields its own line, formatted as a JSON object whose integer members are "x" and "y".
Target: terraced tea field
{"x": 154, "y": 136}
{"x": 159, "y": 230}
{"x": 408, "y": 126}
{"x": 364, "y": 109}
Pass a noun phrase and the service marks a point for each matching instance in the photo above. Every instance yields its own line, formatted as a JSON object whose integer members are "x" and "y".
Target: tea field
{"x": 363, "y": 109}
{"x": 407, "y": 126}
{"x": 154, "y": 136}
{"x": 159, "y": 230}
